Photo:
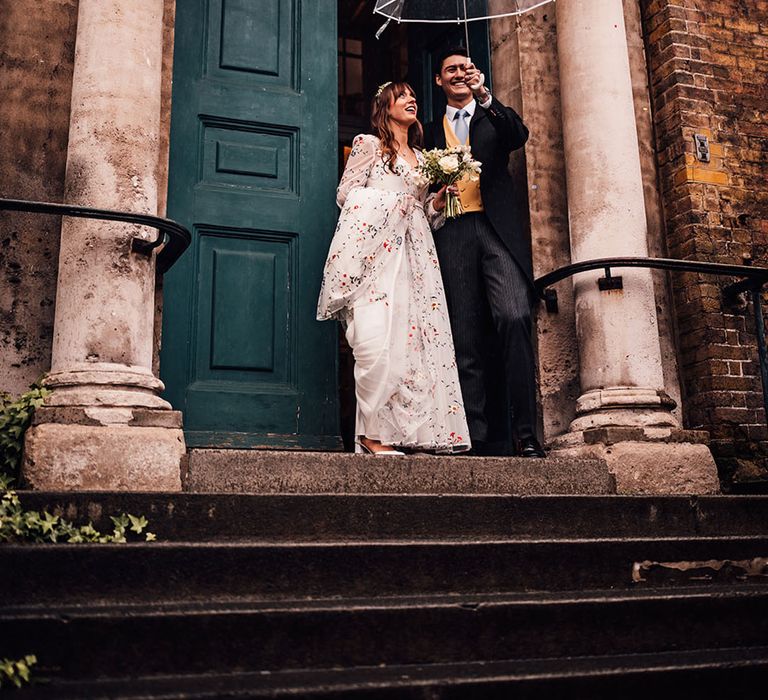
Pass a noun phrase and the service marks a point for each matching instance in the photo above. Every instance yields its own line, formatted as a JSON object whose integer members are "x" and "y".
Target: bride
{"x": 382, "y": 281}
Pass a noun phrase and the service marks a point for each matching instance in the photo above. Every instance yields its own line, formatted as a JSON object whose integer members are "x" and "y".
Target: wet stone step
{"x": 57, "y": 574}
{"x": 281, "y": 517}
{"x": 204, "y": 638}
{"x": 705, "y": 673}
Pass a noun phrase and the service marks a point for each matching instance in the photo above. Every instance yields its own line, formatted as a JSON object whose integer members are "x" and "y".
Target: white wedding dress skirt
{"x": 382, "y": 280}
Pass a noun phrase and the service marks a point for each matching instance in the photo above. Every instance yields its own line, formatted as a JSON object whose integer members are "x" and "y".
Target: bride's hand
{"x": 439, "y": 201}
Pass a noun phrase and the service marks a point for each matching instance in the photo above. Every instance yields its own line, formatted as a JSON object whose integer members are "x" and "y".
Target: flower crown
{"x": 381, "y": 88}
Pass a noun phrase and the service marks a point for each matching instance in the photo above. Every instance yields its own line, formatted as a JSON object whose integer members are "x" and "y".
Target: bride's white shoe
{"x": 379, "y": 453}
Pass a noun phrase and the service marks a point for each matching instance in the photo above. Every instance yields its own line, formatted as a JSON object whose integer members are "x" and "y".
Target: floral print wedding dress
{"x": 382, "y": 281}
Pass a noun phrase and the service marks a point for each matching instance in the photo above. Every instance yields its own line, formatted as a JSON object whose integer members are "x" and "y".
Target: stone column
{"x": 621, "y": 376}
{"x": 104, "y": 426}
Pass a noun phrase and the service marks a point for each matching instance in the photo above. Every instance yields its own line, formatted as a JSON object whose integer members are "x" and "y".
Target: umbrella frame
{"x": 513, "y": 13}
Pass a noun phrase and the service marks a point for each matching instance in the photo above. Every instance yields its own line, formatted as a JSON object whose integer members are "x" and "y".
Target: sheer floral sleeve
{"x": 435, "y": 217}
{"x": 358, "y": 168}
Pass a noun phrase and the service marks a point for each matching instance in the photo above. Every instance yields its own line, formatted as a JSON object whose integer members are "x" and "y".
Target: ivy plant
{"x": 19, "y": 525}
{"x": 15, "y": 417}
{"x": 16, "y": 672}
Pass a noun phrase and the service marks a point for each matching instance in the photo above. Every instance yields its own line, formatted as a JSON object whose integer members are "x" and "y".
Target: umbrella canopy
{"x": 449, "y": 11}
{"x": 445, "y": 11}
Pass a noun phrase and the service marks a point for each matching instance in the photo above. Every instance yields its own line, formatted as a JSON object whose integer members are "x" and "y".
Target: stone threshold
{"x": 276, "y": 471}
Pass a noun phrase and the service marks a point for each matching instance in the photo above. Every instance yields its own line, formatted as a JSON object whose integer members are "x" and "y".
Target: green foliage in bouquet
{"x": 446, "y": 166}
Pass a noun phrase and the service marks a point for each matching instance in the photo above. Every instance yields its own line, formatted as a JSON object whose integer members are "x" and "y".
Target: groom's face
{"x": 451, "y": 78}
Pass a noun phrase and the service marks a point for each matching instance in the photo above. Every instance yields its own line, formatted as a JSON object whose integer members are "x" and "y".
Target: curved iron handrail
{"x": 174, "y": 237}
{"x": 750, "y": 275}
{"x": 752, "y": 280}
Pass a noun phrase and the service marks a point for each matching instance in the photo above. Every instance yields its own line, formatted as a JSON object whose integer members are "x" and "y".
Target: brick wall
{"x": 708, "y": 65}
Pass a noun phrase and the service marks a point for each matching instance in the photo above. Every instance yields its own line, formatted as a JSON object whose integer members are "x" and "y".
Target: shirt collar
{"x": 469, "y": 108}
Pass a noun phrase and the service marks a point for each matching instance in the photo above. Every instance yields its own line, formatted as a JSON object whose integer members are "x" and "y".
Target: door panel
{"x": 252, "y": 173}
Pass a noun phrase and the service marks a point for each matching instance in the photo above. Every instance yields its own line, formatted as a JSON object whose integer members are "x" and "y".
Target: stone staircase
{"x": 462, "y": 595}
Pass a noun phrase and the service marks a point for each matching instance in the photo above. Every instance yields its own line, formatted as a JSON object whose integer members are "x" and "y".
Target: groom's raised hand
{"x": 475, "y": 81}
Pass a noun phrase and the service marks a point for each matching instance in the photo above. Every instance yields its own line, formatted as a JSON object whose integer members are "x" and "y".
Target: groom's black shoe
{"x": 530, "y": 447}
{"x": 479, "y": 449}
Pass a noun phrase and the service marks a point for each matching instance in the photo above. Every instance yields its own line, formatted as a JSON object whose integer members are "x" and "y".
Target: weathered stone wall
{"x": 709, "y": 75}
{"x": 525, "y": 65}
{"x": 525, "y": 70}
{"x": 37, "y": 42}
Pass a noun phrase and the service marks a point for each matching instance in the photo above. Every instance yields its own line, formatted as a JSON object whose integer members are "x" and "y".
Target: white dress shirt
{"x": 469, "y": 108}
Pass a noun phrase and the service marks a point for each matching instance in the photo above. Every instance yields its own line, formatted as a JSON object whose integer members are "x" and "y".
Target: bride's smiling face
{"x": 403, "y": 108}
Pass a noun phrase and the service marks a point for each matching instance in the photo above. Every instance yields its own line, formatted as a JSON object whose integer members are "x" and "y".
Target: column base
{"x": 645, "y": 461}
{"x": 105, "y": 384}
{"x": 104, "y": 449}
{"x": 624, "y": 406}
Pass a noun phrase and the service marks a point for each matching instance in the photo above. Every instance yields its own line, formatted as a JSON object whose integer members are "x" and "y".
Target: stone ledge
{"x": 107, "y": 415}
{"x": 265, "y": 471}
{"x": 613, "y": 435}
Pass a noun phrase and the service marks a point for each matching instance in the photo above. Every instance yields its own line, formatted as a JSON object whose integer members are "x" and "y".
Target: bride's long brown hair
{"x": 380, "y": 122}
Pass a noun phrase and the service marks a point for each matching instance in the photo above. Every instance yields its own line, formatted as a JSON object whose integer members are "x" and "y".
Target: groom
{"x": 484, "y": 257}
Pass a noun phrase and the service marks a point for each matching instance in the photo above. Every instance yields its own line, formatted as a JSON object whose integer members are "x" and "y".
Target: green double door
{"x": 252, "y": 174}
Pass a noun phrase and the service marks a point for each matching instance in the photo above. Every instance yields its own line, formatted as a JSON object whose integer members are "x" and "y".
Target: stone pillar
{"x": 623, "y": 397}
{"x": 104, "y": 426}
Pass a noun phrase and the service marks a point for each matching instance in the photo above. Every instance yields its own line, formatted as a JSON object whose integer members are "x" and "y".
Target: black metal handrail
{"x": 752, "y": 280}
{"x": 750, "y": 275}
{"x": 173, "y": 237}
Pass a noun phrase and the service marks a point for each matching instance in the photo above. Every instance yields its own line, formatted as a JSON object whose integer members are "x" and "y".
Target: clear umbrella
{"x": 450, "y": 11}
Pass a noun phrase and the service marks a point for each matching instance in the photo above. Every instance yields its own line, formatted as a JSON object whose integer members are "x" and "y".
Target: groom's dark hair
{"x": 445, "y": 53}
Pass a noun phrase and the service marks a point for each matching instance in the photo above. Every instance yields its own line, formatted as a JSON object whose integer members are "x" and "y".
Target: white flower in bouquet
{"x": 449, "y": 164}
{"x": 446, "y": 166}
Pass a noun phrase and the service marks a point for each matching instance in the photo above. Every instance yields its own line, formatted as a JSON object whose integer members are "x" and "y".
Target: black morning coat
{"x": 493, "y": 134}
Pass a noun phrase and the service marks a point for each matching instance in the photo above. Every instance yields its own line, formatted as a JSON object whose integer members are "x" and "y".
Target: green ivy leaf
{"x": 48, "y": 522}
{"x": 89, "y": 532}
{"x": 121, "y": 522}
{"x": 138, "y": 523}
{"x": 23, "y": 670}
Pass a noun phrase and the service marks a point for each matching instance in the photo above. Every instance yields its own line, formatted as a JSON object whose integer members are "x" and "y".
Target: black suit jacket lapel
{"x": 438, "y": 132}
{"x": 476, "y": 117}
{"x": 477, "y": 133}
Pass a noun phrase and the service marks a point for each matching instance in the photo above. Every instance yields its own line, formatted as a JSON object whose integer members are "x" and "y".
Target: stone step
{"x": 51, "y": 575}
{"x": 276, "y": 471}
{"x": 707, "y": 673}
{"x": 236, "y": 517}
{"x": 195, "y": 638}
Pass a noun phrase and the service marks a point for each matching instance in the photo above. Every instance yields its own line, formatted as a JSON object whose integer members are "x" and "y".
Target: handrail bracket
{"x": 609, "y": 283}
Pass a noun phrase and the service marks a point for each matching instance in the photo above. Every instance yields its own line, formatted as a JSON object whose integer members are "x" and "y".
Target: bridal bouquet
{"x": 446, "y": 166}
